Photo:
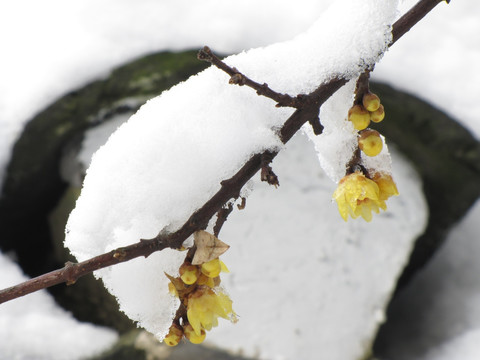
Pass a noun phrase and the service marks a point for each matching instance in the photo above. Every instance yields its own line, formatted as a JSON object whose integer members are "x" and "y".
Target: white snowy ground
{"x": 53, "y": 47}
{"x": 36, "y": 328}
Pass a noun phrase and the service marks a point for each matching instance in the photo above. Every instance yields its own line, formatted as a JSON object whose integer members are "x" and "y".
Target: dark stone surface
{"x": 140, "y": 345}
{"x": 446, "y": 156}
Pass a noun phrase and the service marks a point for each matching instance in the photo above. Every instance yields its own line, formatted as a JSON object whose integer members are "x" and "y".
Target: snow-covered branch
{"x": 307, "y": 110}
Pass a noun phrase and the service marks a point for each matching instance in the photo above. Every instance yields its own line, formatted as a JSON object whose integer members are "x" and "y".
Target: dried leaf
{"x": 208, "y": 247}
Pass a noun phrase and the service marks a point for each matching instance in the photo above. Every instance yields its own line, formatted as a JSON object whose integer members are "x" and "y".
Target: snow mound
{"x": 34, "y": 327}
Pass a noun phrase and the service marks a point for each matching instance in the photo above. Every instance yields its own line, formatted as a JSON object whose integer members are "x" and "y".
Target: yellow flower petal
{"x": 212, "y": 268}
{"x": 205, "y": 306}
{"x": 223, "y": 267}
{"x": 357, "y": 195}
{"x": 386, "y": 185}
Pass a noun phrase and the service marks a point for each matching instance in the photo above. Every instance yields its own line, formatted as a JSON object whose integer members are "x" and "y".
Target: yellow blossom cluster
{"x": 198, "y": 289}
{"x": 357, "y": 195}
{"x": 361, "y": 115}
{"x": 369, "y": 110}
{"x": 360, "y": 193}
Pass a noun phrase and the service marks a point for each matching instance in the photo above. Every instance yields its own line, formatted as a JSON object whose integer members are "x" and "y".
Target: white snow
{"x": 34, "y": 327}
{"x": 170, "y": 157}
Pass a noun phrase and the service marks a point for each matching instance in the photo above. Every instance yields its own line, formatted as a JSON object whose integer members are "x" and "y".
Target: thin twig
{"x": 266, "y": 172}
{"x": 237, "y": 78}
{"x": 411, "y": 17}
{"x": 362, "y": 87}
{"x": 230, "y": 188}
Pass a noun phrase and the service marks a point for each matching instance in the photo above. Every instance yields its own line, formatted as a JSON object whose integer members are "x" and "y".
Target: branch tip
{"x": 205, "y": 54}
{"x": 317, "y": 127}
{"x": 266, "y": 172}
{"x": 242, "y": 205}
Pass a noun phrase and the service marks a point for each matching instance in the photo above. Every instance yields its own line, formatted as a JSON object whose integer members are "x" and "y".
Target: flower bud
{"x": 191, "y": 336}
{"x": 378, "y": 115}
{"x": 212, "y": 268}
{"x": 359, "y": 117}
{"x": 174, "y": 335}
{"x": 370, "y": 101}
{"x": 370, "y": 142}
{"x": 205, "y": 280}
{"x": 188, "y": 273}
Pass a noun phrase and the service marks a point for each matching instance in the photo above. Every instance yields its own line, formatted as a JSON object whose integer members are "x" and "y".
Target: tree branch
{"x": 237, "y": 78}
{"x": 308, "y": 107}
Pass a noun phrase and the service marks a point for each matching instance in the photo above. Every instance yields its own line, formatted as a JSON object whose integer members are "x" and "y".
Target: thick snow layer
{"x": 34, "y": 327}
{"x": 171, "y": 156}
{"x": 439, "y": 311}
{"x": 305, "y": 284}
{"x": 39, "y": 63}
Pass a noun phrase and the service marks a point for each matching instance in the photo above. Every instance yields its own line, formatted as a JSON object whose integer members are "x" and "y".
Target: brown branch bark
{"x": 237, "y": 78}
{"x": 308, "y": 107}
{"x": 222, "y": 216}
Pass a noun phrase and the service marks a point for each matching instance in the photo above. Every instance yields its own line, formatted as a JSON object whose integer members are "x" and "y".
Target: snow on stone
{"x": 35, "y": 327}
{"x": 463, "y": 346}
{"x": 305, "y": 284}
{"x": 438, "y": 313}
{"x": 170, "y": 157}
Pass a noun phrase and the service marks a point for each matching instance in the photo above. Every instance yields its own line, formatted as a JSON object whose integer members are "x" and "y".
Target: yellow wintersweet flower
{"x": 205, "y": 306}
{"x": 213, "y": 268}
{"x": 192, "y": 336}
{"x": 386, "y": 185}
{"x": 357, "y": 195}
{"x": 174, "y": 335}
